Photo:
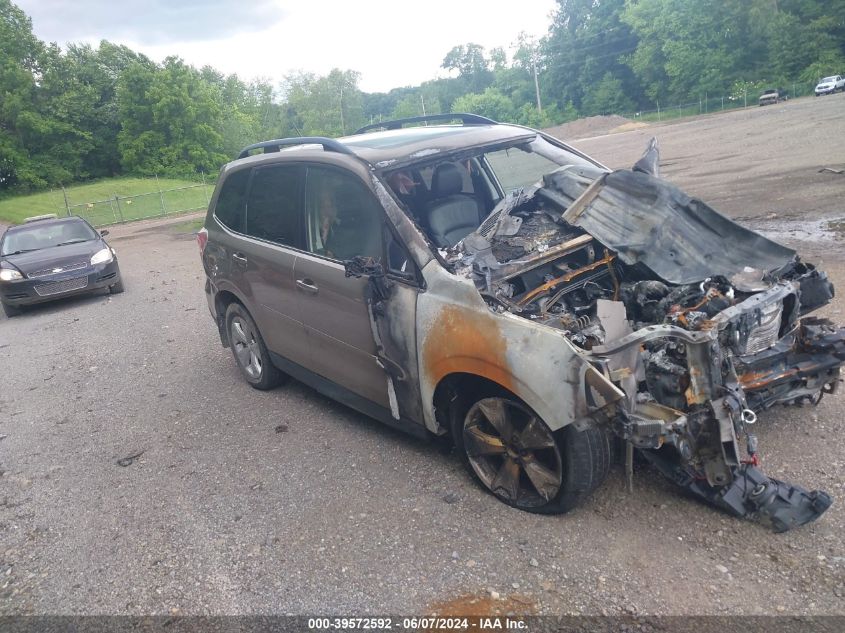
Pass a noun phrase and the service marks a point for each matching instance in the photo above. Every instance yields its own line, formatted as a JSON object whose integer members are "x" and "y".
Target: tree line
{"x": 84, "y": 112}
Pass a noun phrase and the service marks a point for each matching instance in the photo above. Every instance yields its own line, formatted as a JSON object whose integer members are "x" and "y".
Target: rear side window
{"x": 230, "y": 201}
{"x": 274, "y": 206}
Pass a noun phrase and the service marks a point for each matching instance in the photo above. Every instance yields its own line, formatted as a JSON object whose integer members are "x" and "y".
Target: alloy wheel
{"x": 246, "y": 348}
{"x": 513, "y": 452}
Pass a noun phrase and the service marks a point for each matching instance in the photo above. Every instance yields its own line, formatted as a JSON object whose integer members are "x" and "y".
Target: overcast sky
{"x": 390, "y": 42}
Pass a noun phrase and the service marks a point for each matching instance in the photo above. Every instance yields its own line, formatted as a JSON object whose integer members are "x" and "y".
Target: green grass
{"x": 137, "y": 198}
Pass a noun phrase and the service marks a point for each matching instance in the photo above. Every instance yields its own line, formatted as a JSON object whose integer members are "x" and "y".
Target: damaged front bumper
{"x": 700, "y": 448}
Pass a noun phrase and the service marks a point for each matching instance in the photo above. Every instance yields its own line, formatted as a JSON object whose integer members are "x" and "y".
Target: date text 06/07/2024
{"x": 426, "y": 623}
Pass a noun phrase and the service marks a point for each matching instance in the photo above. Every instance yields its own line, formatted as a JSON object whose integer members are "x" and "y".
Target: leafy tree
{"x": 19, "y": 55}
{"x": 588, "y": 39}
{"x": 472, "y": 66}
{"x": 332, "y": 105}
{"x": 409, "y": 106}
{"x": 607, "y": 97}
{"x": 170, "y": 119}
{"x": 490, "y": 103}
{"x": 87, "y": 112}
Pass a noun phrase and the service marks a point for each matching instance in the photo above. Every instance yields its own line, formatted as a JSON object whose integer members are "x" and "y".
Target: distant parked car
{"x": 772, "y": 95}
{"x": 829, "y": 85}
{"x": 49, "y": 258}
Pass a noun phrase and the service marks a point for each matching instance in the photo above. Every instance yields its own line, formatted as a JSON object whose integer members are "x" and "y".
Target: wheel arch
{"x": 222, "y": 300}
{"x": 463, "y": 389}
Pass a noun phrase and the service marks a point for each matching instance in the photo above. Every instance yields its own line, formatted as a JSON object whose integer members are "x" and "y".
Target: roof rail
{"x": 463, "y": 117}
{"x": 329, "y": 145}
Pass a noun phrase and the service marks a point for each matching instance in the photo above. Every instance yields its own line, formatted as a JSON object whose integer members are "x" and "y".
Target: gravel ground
{"x": 285, "y": 502}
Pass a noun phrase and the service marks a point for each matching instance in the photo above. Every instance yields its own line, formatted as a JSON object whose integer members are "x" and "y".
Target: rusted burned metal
{"x": 465, "y": 342}
{"x": 758, "y": 380}
{"x": 606, "y": 260}
{"x": 458, "y": 333}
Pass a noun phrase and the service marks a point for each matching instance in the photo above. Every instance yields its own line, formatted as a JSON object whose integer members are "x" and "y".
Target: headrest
{"x": 447, "y": 180}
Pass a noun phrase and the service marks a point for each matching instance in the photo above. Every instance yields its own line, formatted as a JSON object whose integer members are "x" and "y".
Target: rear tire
{"x": 249, "y": 350}
{"x": 117, "y": 288}
{"x": 522, "y": 462}
{"x": 12, "y": 311}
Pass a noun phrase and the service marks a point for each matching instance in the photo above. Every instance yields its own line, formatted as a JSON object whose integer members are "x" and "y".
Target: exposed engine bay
{"x": 700, "y": 323}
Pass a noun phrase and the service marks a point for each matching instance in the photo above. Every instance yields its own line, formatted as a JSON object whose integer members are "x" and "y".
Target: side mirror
{"x": 370, "y": 267}
{"x": 104, "y": 232}
{"x": 360, "y": 266}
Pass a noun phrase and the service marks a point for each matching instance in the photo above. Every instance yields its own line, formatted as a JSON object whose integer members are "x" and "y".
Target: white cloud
{"x": 390, "y": 43}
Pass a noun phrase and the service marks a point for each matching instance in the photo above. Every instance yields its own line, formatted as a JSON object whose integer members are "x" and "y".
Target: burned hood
{"x": 648, "y": 221}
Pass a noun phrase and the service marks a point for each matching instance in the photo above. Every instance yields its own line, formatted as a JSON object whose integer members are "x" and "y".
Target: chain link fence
{"x": 119, "y": 209}
{"x": 738, "y": 99}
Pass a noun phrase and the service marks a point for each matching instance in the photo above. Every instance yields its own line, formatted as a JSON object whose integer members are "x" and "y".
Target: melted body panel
{"x": 458, "y": 333}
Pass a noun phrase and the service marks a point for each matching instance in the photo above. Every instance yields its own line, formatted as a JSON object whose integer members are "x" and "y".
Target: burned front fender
{"x": 459, "y": 333}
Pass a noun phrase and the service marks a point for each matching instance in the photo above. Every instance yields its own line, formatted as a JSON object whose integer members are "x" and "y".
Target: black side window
{"x": 274, "y": 206}
{"x": 344, "y": 219}
{"x": 230, "y": 202}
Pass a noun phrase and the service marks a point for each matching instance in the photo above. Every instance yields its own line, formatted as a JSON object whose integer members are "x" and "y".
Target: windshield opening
{"x": 38, "y": 236}
{"x": 451, "y": 196}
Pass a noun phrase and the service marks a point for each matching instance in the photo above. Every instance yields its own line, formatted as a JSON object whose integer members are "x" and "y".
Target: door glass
{"x": 273, "y": 208}
{"x": 343, "y": 218}
{"x": 230, "y": 202}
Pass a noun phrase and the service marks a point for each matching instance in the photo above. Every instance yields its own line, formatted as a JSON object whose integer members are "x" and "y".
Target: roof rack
{"x": 463, "y": 117}
{"x": 329, "y": 145}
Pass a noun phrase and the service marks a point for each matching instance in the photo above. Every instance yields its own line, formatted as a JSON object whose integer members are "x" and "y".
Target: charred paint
{"x": 462, "y": 340}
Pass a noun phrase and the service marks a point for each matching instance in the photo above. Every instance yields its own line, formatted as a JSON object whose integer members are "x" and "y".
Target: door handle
{"x": 240, "y": 258}
{"x": 306, "y": 285}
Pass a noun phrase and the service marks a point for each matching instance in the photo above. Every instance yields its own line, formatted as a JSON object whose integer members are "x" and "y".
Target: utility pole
{"x": 422, "y": 101}
{"x": 536, "y": 82}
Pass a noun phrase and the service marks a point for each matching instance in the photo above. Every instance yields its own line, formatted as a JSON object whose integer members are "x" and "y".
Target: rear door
{"x": 343, "y": 219}
{"x": 267, "y": 255}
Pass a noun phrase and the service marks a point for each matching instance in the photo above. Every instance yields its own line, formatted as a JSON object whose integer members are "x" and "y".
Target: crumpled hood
{"x": 648, "y": 221}
{"x": 54, "y": 257}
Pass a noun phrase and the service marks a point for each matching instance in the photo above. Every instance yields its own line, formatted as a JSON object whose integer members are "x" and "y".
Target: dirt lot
{"x": 284, "y": 502}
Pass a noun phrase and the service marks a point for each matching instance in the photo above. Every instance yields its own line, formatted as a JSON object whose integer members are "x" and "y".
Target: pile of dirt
{"x": 590, "y": 126}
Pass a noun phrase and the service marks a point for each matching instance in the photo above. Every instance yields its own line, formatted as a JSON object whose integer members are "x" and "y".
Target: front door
{"x": 343, "y": 220}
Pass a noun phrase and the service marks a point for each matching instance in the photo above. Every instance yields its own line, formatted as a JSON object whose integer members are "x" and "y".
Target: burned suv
{"x": 488, "y": 282}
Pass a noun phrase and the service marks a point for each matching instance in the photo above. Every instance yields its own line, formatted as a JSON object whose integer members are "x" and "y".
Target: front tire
{"x": 117, "y": 288}
{"x": 249, "y": 350}
{"x": 12, "y": 311}
{"x": 515, "y": 456}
